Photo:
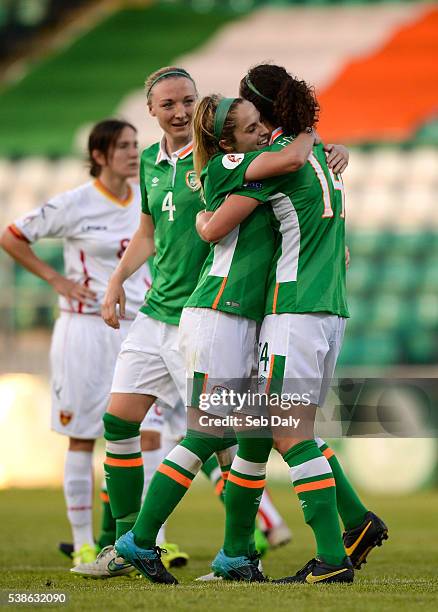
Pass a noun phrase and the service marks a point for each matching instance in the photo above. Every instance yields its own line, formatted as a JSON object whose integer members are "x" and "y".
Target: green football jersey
{"x": 308, "y": 268}
{"x": 234, "y": 275}
{"x": 170, "y": 194}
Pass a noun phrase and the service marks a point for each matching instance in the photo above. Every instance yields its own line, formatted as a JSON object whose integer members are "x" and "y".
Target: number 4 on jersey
{"x": 264, "y": 356}
{"x": 168, "y": 206}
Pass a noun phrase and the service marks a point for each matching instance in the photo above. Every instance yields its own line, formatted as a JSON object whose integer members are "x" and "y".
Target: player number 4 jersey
{"x": 171, "y": 196}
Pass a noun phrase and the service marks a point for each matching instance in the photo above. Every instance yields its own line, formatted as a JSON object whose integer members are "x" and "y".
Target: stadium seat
{"x": 390, "y": 313}
{"x": 429, "y": 275}
{"x": 374, "y": 349}
{"x": 360, "y": 275}
{"x": 359, "y": 308}
{"x": 398, "y": 274}
{"x": 386, "y": 167}
{"x": 421, "y": 347}
{"x": 426, "y": 311}
{"x": 422, "y": 163}
{"x": 412, "y": 245}
{"x": 368, "y": 244}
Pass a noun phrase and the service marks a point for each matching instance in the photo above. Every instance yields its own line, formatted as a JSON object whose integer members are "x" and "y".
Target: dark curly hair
{"x": 280, "y": 98}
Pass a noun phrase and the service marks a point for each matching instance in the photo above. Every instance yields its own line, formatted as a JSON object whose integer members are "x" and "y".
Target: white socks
{"x": 268, "y": 515}
{"x": 78, "y": 492}
{"x": 151, "y": 460}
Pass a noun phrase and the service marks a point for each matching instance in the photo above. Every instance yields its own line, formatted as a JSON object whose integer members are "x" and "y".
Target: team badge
{"x": 232, "y": 160}
{"x": 222, "y": 392}
{"x": 192, "y": 180}
{"x": 65, "y": 417}
{"x": 157, "y": 409}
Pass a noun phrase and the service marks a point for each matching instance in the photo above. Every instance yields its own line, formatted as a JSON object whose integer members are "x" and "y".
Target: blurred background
{"x": 66, "y": 64}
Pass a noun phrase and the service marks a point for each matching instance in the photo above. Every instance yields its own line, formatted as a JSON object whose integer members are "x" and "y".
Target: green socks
{"x": 213, "y": 472}
{"x": 123, "y": 470}
{"x": 171, "y": 482}
{"x": 243, "y": 494}
{"x": 351, "y": 509}
{"x": 314, "y": 484}
{"x": 108, "y": 523}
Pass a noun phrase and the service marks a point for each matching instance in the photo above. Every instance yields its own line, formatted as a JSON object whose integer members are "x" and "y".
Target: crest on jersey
{"x": 192, "y": 180}
{"x": 232, "y": 160}
{"x": 158, "y": 410}
{"x": 65, "y": 417}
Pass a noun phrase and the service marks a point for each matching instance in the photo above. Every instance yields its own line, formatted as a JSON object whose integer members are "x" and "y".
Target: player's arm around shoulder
{"x": 224, "y": 175}
{"x": 290, "y": 159}
{"x": 213, "y": 226}
{"x": 140, "y": 248}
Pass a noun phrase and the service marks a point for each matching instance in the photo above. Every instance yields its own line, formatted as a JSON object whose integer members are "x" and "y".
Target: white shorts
{"x": 298, "y": 353}
{"x": 217, "y": 347}
{"x": 149, "y": 362}
{"x": 83, "y": 353}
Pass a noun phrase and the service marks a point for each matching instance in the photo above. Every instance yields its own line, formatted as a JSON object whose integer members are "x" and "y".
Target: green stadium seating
{"x": 413, "y": 245}
{"x": 361, "y": 275}
{"x": 122, "y": 49}
{"x": 421, "y": 347}
{"x": 375, "y": 349}
{"x": 426, "y": 310}
{"x": 390, "y": 313}
{"x": 429, "y": 274}
{"x": 398, "y": 274}
{"x": 368, "y": 244}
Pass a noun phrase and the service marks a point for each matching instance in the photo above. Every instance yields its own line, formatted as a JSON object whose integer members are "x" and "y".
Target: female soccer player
{"x": 149, "y": 365}
{"x": 96, "y": 222}
{"x": 218, "y": 325}
{"x": 302, "y": 332}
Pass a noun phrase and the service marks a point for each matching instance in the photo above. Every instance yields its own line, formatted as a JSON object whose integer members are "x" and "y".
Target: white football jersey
{"x": 96, "y": 228}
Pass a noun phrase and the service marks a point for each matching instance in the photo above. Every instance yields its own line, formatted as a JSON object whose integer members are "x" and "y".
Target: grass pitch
{"x": 402, "y": 575}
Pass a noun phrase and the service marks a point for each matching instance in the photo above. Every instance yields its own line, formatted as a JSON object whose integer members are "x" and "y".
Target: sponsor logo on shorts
{"x": 232, "y": 160}
{"x": 192, "y": 180}
{"x": 65, "y": 417}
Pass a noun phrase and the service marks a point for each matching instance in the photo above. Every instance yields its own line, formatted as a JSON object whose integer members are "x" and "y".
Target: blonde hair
{"x": 167, "y": 72}
{"x": 205, "y": 143}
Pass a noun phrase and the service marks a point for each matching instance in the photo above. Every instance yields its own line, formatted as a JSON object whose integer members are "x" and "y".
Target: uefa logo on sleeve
{"x": 232, "y": 160}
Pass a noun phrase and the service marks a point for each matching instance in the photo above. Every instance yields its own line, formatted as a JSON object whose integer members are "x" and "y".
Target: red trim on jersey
{"x": 89, "y": 314}
{"x": 17, "y": 233}
{"x": 75, "y": 508}
{"x": 86, "y": 280}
